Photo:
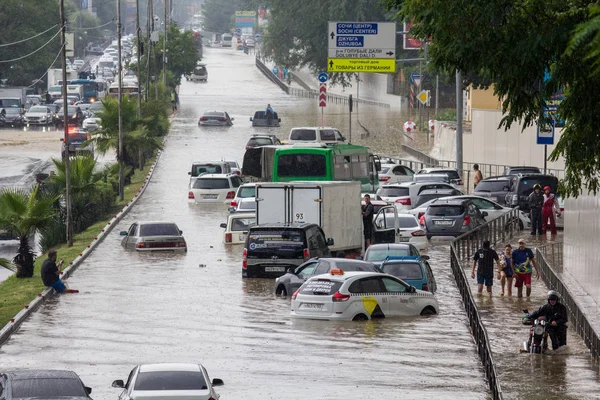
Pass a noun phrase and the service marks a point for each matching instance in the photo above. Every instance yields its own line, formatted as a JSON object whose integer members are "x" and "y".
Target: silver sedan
{"x": 215, "y": 118}
{"x": 154, "y": 236}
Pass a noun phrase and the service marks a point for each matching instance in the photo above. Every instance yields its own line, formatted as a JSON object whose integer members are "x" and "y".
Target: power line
{"x": 33, "y": 37}
{"x": 93, "y": 27}
{"x": 45, "y": 73}
{"x": 33, "y": 52}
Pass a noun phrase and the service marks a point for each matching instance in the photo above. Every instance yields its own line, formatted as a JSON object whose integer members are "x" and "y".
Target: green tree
{"x": 143, "y": 141}
{"x": 515, "y": 44}
{"x": 25, "y": 213}
{"x": 217, "y": 15}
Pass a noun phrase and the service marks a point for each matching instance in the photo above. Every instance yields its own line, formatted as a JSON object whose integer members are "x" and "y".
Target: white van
{"x": 319, "y": 134}
{"x": 226, "y": 40}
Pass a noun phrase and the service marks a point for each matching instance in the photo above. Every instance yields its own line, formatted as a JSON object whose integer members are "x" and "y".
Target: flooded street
{"x": 140, "y": 308}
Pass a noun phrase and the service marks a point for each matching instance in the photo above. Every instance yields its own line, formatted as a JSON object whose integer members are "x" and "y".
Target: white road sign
{"x": 362, "y": 40}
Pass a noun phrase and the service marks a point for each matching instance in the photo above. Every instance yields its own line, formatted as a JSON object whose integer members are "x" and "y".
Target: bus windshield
{"x": 297, "y": 165}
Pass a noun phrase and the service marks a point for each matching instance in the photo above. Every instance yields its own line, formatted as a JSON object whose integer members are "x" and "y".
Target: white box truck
{"x": 334, "y": 206}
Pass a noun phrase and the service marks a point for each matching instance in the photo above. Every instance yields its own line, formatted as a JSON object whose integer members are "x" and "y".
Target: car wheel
{"x": 428, "y": 311}
{"x": 360, "y": 317}
{"x": 281, "y": 291}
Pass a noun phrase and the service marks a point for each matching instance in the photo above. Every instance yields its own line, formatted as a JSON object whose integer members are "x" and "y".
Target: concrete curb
{"x": 12, "y": 326}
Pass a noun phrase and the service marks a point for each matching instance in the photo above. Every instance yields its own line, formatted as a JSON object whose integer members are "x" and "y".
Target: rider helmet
{"x": 537, "y": 186}
{"x": 553, "y": 295}
{"x": 547, "y": 188}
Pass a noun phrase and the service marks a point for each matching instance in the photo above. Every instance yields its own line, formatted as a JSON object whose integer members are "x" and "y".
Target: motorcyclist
{"x": 555, "y": 314}
{"x": 536, "y": 201}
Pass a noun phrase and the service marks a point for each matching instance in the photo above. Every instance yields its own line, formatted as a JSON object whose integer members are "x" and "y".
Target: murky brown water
{"x": 140, "y": 308}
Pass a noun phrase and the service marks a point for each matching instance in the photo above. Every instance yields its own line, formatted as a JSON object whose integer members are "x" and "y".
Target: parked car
{"x": 42, "y": 384}
{"x": 271, "y": 249}
{"x": 415, "y": 271}
{"x": 356, "y": 296}
{"x": 376, "y": 253}
{"x": 200, "y": 168}
{"x": 168, "y": 381}
{"x": 262, "y": 140}
{"x": 13, "y": 116}
{"x": 260, "y": 120}
{"x": 452, "y": 174}
{"x": 431, "y": 194}
{"x": 494, "y": 188}
{"x": 153, "y": 236}
{"x": 521, "y": 170}
{"x": 395, "y": 173}
{"x": 215, "y": 118}
{"x": 521, "y": 186}
{"x": 316, "y": 134}
{"x": 290, "y": 282}
{"x": 452, "y": 217}
{"x": 39, "y": 115}
{"x": 404, "y": 195}
{"x": 236, "y": 227}
{"x": 408, "y": 228}
{"x": 214, "y": 188}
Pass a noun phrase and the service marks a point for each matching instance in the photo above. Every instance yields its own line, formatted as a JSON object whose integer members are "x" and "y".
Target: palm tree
{"x": 143, "y": 141}
{"x": 25, "y": 213}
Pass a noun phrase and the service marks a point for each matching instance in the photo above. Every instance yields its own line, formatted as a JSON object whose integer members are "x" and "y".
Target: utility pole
{"x": 63, "y": 29}
{"x": 459, "y": 122}
{"x": 437, "y": 93}
{"x": 139, "y": 48}
{"x": 149, "y": 24}
{"x": 165, "y": 47}
{"x": 120, "y": 100}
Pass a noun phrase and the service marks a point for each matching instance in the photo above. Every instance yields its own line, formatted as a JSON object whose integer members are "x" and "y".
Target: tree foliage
{"x": 514, "y": 44}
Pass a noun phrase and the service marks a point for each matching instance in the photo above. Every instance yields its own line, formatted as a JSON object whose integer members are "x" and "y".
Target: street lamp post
{"x": 120, "y": 101}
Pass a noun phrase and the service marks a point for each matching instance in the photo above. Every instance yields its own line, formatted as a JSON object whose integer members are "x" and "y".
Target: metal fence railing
{"x": 269, "y": 74}
{"x": 577, "y": 317}
{"x": 496, "y": 231}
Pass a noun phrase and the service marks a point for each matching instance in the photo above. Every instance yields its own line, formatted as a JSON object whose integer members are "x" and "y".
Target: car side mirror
{"x": 413, "y": 289}
{"x": 88, "y": 390}
{"x": 378, "y": 165}
{"x": 526, "y": 311}
{"x": 181, "y": 232}
{"x": 217, "y": 382}
{"x": 250, "y": 119}
{"x": 292, "y": 270}
{"x": 426, "y": 257}
{"x": 484, "y": 214}
{"x": 231, "y": 209}
{"x": 62, "y": 139}
{"x": 278, "y": 119}
{"x": 189, "y": 172}
{"x": 223, "y": 225}
{"x": 330, "y": 242}
{"x": 123, "y": 233}
{"x": 118, "y": 384}
{"x": 232, "y": 119}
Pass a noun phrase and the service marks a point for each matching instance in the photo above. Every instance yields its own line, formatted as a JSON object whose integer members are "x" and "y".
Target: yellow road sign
{"x": 361, "y": 65}
{"x": 423, "y": 97}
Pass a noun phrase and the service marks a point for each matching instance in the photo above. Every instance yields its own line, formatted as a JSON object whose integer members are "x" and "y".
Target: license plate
{"x": 242, "y": 237}
{"x": 404, "y": 239}
{"x": 443, "y": 223}
{"x": 312, "y": 306}
{"x": 210, "y": 196}
{"x": 274, "y": 269}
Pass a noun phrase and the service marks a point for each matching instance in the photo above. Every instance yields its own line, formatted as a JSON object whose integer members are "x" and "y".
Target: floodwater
{"x": 568, "y": 373}
{"x": 141, "y": 308}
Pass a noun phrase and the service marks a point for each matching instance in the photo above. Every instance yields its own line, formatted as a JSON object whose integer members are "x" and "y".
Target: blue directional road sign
{"x": 323, "y": 77}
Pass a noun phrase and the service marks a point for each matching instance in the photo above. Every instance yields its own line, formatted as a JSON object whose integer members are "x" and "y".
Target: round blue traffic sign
{"x": 323, "y": 77}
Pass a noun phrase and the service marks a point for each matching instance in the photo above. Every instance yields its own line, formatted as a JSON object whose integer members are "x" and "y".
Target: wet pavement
{"x": 568, "y": 373}
{"x": 140, "y": 308}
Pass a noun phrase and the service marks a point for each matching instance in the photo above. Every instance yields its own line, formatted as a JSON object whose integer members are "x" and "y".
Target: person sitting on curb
{"x": 51, "y": 274}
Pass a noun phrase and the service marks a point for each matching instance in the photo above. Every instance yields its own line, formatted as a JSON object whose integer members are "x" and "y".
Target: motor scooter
{"x": 537, "y": 343}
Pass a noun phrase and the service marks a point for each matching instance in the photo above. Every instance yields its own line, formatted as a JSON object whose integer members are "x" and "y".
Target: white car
{"x": 235, "y": 167}
{"x": 236, "y": 228}
{"x": 91, "y": 124}
{"x": 245, "y": 191}
{"x": 39, "y": 115}
{"x": 493, "y": 209}
{"x": 168, "y": 381}
{"x": 208, "y": 167}
{"x": 214, "y": 188}
{"x": 410, "y": 231}
{"x": 315, "y": 134}
{"x": 244, "y": 205}
{"x": 355, "y": 296}
{"x": 404, "y": 195}
{"x": 452, "y": 174}
{"x": 395, "y": 173}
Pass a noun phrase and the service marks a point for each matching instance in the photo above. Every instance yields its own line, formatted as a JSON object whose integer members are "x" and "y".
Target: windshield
{"x": 159, "y": 230}
{"x": 298, "y": 165}
{"x": 445, "y": 210}
{"x": 320, "y": 287}
{"x": 354, "y": 266}
{"x": 492, "y": 186}
{"x": 214, "y": 114}
{"x": 282, "y": 241}
{"x": 404, "y": 221}
{"x": 38, "y": 110}
{"x": 241, "y": 224}
{"x": 430, "y": 178}
{"x": 259, "y": 142}
{"x": 13, "y": 103}
{"x": 449, "y": 173}
{"x": 526, "y": 184}
{"x": 425, "y": 198}
{"x": 404, "y": 270}
{"x": 200, "y": 169}
{"x": 303, "y": 134}
{"x": 47, "y": 388}
{"x": 382, "y": 254}
{"x": 247, "y": 205}
{"x": 393, "y": 191}
{"x": 246, "y": 191}
{"x": 55, "y": 89}
{"x": 12, "y": 110}
{"x": 170, "y": 380}
{"x": 211, "y": 183}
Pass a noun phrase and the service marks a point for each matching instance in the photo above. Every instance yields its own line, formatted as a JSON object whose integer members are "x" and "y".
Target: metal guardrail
{"x": 496, "y": 231}
{"x": 269, "y": 74}
{"x": 333, "y": 98}
{"x": 578, "y": 319}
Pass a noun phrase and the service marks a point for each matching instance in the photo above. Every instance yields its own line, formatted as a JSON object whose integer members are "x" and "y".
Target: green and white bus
{"x": 320, "y": 162}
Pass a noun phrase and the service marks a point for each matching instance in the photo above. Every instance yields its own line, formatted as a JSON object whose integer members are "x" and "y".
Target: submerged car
{"x": 154, "y": 236}
{"x": 168, "y": 381}
{"x": 215, "y": 118}
{"x": 236, "y": 227}
{"x": 261, "y": 119}
{"x": 42, "y": 384}
{"x": 415, "y": 271}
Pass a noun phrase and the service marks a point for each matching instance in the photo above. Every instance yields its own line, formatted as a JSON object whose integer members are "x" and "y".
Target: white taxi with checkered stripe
{"x": 355, "y": 296}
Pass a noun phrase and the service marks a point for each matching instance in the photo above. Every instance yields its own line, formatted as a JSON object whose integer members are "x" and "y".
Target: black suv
{"x": 271, "y": 249}
{"x": 494, "y": 188}
{"x": 521, "y": 170}
{"x": 521, "y": 186}
{"x": 42, "y": 384}
{"x": 262, "y": 140}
